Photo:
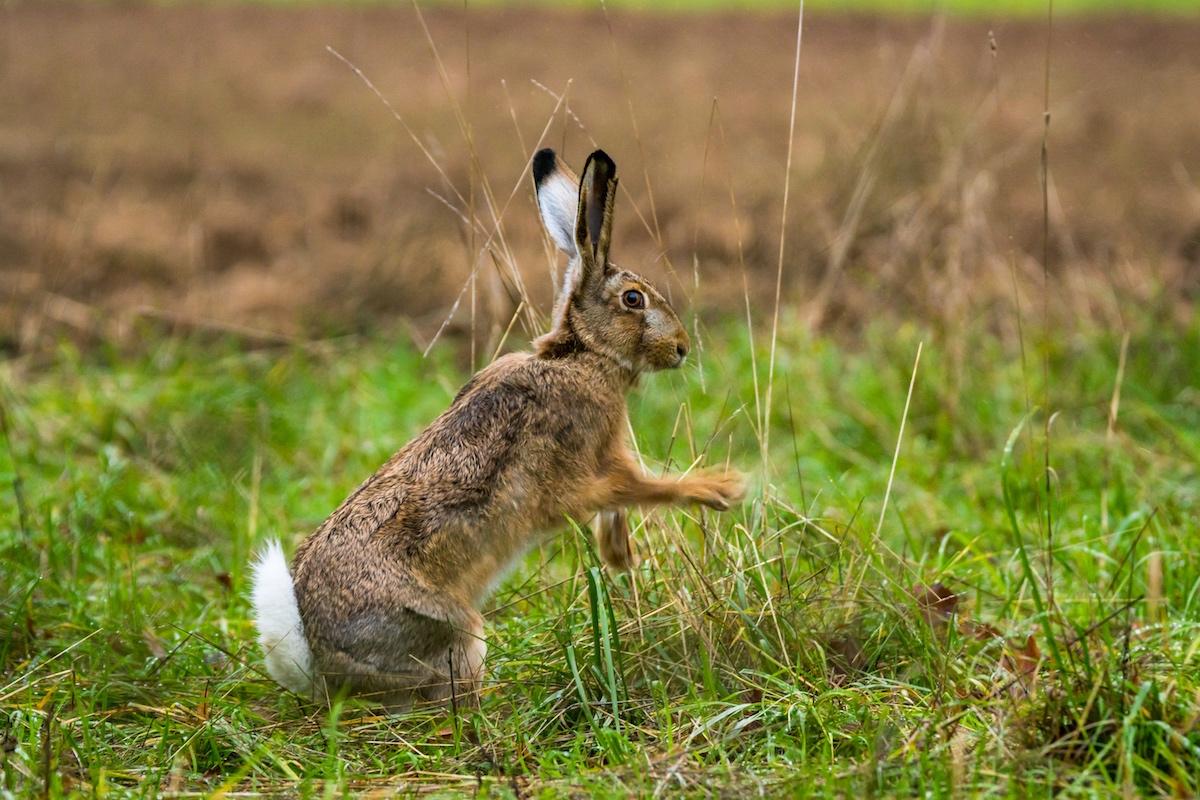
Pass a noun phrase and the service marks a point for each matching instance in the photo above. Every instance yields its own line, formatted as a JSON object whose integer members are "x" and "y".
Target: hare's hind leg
{"x": 452, "y": 661}
{"x": 399, "y": 657}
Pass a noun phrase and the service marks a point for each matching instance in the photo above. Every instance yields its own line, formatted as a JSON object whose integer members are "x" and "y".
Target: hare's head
{"x": 604, "y": 309}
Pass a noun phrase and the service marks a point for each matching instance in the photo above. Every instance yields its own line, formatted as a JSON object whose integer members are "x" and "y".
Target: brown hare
{"x": 383, "y": 597}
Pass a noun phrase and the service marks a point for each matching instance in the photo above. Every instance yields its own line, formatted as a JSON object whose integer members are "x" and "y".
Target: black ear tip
{"x": 544, "y": 163}
{"x": 603, "y": 163}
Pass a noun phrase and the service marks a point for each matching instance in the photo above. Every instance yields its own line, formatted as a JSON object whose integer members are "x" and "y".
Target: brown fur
{"x": 389, "y": 586}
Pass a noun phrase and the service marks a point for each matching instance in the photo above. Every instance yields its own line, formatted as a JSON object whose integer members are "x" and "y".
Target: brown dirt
{"x": 215, "y": 166}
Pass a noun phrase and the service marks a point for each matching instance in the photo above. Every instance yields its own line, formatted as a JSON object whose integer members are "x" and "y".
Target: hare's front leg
{"x": 612, "y": 537}
{"x": 715, "y": 491}
{"x": 628, "y": 487}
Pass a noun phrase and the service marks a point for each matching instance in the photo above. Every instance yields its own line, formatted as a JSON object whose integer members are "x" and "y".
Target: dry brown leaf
{"x": 1022, "y": 662}
{"x": 936, "y": 602}
{"x": 849, "y": 656}
{"x": 980, "y": 631}
{"x": 752, "y": 695}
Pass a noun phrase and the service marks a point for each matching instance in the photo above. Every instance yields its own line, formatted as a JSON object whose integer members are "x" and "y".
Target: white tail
{"x": 280, "y": 629}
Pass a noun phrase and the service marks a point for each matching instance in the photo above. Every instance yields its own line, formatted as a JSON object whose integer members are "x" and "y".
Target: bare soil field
{"x": 218, "y": 167}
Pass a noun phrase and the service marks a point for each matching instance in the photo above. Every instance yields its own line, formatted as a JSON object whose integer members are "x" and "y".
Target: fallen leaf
{"x": 1022, "y": 663}
{"x": 849, "y": 656}
{"x": 936, "y": 602}
{"x": 980, "y": 631}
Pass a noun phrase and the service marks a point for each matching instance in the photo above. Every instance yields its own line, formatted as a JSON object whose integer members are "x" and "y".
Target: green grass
{"x": 781, "y": 648}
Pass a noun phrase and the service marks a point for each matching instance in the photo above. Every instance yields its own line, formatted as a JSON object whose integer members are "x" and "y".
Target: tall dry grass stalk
{"x": 787, "y": 185}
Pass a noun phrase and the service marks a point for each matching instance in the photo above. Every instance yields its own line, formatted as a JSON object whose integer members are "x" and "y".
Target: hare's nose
{"x": 681, "y": 351}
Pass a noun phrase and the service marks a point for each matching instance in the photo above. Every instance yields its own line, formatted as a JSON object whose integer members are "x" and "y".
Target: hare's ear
{"x": 593, "y": 226}
{"x": 558, "y": 199}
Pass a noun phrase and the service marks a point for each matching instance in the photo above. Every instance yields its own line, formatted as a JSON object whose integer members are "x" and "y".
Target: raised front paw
{"x": 719, "y": 491}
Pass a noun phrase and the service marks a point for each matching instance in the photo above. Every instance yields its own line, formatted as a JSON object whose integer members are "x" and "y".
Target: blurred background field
{"x": 233, "y": 281}
{"x": 216, "y": 162}
{"x": 1004, "y": 8}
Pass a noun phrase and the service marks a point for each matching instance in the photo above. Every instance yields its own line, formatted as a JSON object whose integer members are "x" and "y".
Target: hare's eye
{"x": 634, "y": 299}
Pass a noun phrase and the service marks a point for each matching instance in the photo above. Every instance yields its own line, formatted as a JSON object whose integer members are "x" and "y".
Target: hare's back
{"x": 510, "y": 415}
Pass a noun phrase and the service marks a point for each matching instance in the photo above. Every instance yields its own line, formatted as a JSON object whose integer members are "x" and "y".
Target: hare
{"x": 382, "y": 599}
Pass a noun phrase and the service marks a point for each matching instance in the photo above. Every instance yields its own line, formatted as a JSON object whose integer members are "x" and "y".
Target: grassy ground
{"x": 980, "y": 636}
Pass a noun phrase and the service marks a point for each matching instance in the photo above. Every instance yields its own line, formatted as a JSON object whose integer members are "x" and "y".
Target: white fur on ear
{"x": 558, "y": 200}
